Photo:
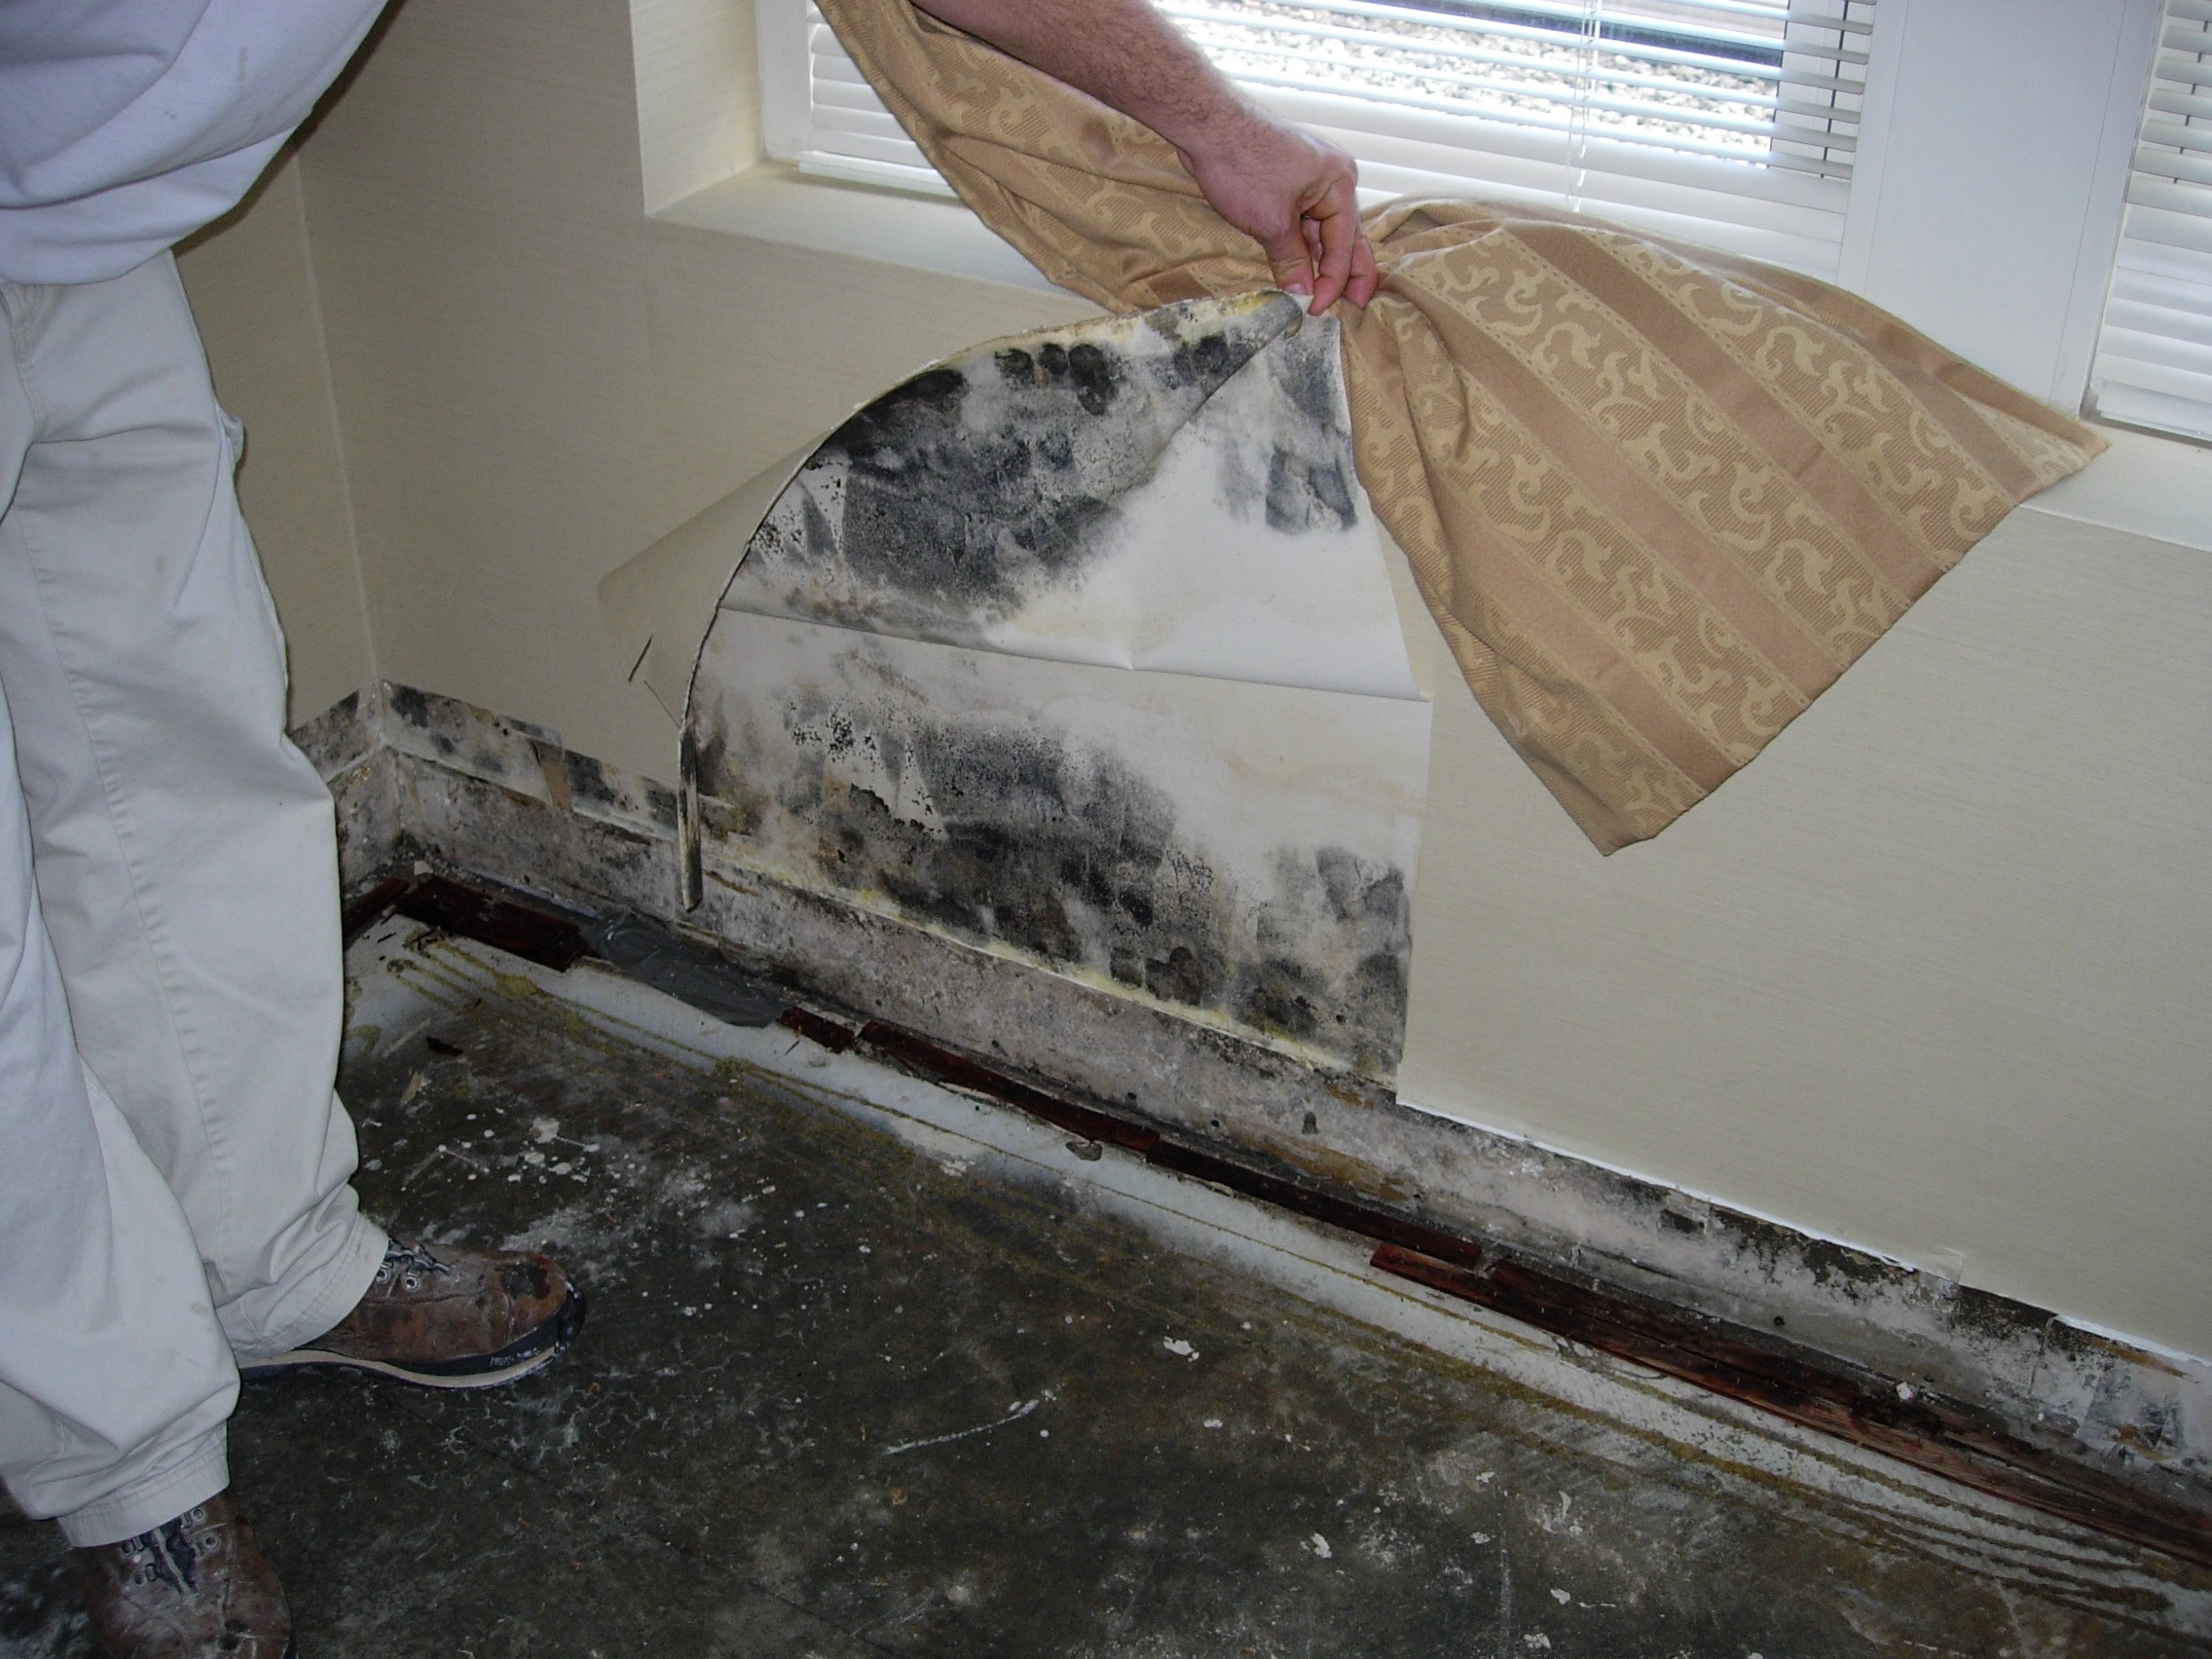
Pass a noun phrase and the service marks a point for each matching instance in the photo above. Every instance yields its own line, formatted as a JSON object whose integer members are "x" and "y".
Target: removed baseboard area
{"x": 1986, "y": 1390}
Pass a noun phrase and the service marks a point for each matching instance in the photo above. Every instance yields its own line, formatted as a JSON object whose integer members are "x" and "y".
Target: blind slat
{"x": 2185, "y": 170}
{"x": 2155, "y": 372}
{"x": 2174, "y": 136}
{"x": 2185, "y": 71}
{"x": 2184, "y": 201}
{"x": 2170, "y": 103}
{"x": 838, "y": 118}
{"x": 2157, "y": 324}
{"x": 918, "y": 177}
{"x": 2187, "y": 417}
{"x": 2175, "y": 291}
{"x": 2176, "y": 234}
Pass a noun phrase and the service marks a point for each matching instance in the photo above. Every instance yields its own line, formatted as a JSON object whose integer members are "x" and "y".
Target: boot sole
{"x": 527, "y": 1354}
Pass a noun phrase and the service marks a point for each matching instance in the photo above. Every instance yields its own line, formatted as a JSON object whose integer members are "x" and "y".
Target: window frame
{"x": 1993, "y": 172}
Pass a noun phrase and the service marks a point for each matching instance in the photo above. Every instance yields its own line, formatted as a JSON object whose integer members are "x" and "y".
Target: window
{"x": 1730, "y": 122}
{"x": 1958, "y": 162}
{"x": 2154, "y": 363}
{"x": 817, "y": 108}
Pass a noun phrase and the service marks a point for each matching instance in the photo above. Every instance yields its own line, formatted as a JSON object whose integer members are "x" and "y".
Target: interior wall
{"x": 251, "y": 284}
{"x": 698, "y": 84}
{"x": 538, "y": 381}
{"x": 1928, "y": 977}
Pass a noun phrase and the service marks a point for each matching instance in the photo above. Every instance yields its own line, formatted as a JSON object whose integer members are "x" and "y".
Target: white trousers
{"x": 173, "y": 1164}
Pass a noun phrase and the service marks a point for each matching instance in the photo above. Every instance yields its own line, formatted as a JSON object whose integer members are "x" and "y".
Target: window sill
{"x": 774, "y": 201}
{"x": 2159, "y": 487}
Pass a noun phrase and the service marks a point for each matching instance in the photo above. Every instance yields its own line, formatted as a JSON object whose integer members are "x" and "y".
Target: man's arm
{"x": 1272, "y": 180}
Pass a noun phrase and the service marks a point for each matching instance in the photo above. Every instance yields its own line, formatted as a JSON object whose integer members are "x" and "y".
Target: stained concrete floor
{"x": 842, "y": 1395}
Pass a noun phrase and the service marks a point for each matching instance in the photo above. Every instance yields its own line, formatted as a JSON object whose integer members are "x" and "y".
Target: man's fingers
{"x": 1365, "y": 279}
{"x": 1336, "y": 262}
{"x": 1336, "y": 218}
{"x": 1288, "y": 259}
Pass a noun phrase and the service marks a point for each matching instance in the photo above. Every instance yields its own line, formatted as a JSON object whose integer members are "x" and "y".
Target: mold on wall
{"x": 1170, "y": 491}
{"x": 918, "y": 692}
{"x": 963, "y": 496}
{"x": 2141, "y": 1417}
{"x": 1242, "y": 853}
{"x": 526, "y": 760}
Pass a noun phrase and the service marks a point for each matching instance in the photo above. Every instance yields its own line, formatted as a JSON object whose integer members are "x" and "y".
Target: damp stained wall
{"x": 1243, "y": 854}
{"x": 1079, "y": 645}
{"x": 1932, "y": 976}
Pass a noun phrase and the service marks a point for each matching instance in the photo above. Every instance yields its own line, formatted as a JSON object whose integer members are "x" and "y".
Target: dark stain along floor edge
{"x": 1798, "y": 1384}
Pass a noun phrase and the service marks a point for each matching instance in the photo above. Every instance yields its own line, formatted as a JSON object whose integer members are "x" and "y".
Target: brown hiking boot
{"x": 448, "y": 1318}
{"x": 192, "y": 1588}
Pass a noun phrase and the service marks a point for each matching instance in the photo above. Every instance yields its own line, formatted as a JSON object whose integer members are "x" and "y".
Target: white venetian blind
{"x": 2154, "y": 363}
{"x": 1728, "y": 122}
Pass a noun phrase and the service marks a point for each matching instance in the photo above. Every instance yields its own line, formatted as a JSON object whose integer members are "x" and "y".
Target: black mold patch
{"x": 587, "y": 781}
{"x": 1095, "y": 377}
{"x": 966, "y": 493}
{"x": 950, "y": 514}
{"x": 1297, "y": 467}
{"x": 1307, "y": 373}
{"x": 1206, "y": 361}
{"x": 411, "y": 706}
{"x": 590, "y": 786}
{"x": 1008, "y": 834}
{"x": 415, "y": 708}
{"x": 1303, "y": 496}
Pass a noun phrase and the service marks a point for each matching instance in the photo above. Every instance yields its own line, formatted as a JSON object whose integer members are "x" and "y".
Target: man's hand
{"x": 1276, "y": 182}
{"x": 1295, "y": 194}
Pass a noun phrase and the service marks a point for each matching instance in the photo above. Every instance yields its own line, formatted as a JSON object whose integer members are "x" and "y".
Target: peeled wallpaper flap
{"x": 659, "y": 604}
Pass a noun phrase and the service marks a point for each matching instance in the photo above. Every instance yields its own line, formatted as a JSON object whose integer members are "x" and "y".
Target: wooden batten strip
{"x": 1915, "y": 1427}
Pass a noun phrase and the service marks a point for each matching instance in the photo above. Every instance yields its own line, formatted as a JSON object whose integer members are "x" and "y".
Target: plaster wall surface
{"x": 538, "y": 380}
{"x": 1929, "y": 977}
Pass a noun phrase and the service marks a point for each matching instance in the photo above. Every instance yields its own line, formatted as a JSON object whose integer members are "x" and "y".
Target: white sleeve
{"x": 131, "y": 122}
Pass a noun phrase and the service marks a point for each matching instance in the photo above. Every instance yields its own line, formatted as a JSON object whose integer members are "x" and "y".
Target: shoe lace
{"x": 170, "y": 1553}
{"x": 409, "y": 1264}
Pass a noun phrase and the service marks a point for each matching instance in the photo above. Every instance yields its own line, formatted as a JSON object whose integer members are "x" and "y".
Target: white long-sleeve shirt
{"x": 127, "y": 124}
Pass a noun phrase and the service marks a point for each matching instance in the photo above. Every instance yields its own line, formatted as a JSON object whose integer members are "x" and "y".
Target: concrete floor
{"x": 846, "y": 1391}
